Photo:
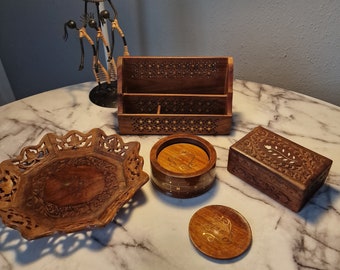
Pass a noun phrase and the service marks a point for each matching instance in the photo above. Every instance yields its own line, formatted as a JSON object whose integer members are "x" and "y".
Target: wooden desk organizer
{"x": 167, "y": 95}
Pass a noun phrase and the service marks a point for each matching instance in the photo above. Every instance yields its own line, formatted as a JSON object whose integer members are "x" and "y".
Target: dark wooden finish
{"x": 69, "y": 183}
{"x": 167, "y": 95}
{"x": 220, "y": 232}
{"x": 183, "y": 165}
{"x": 287, "y": 172}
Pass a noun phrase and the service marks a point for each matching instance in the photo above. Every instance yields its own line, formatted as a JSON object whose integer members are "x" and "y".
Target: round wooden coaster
{"x": 220, "y": 232}
{"x": 183, "y": 158}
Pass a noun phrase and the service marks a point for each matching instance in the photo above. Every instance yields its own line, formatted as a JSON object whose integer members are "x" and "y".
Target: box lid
{"x": 293, "y": 162}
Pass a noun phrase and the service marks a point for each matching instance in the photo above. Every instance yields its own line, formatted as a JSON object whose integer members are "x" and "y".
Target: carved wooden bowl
{"x": 69, "y": 183}
{"x": 183, "y": 165}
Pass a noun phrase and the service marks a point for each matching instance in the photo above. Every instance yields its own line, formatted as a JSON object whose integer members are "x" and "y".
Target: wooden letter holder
{"x": 167, "y": 95}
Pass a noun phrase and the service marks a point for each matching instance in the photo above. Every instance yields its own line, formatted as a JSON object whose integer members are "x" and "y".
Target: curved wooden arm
{"x": 115, "y": 25}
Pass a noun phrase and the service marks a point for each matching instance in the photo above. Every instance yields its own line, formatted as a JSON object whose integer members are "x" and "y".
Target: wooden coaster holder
{"x": 182, "y": 171}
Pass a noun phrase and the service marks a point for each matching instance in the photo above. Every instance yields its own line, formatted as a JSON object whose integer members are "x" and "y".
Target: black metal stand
{"x": 105, "y": 95}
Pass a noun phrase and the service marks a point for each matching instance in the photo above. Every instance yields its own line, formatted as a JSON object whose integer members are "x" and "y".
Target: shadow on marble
{"x": 64, "y": 245}
{"x": 236, "y": 119}
{"x": 114, "y": 122}
{"x": 320, "y": 204}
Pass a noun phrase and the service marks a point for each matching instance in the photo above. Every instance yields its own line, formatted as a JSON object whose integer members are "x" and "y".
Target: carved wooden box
{"x": 280, "y": 168}
{"x": 167, "y": 95}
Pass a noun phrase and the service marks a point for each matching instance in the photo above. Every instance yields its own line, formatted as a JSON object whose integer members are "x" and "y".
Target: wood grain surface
{"x": 220, "y": 232}
{"x": 183, "y": 158}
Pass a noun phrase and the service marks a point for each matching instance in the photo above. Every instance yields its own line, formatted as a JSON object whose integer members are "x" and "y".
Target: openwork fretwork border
{"x": 195, "y": 68}
{"x": 185, "y": 125}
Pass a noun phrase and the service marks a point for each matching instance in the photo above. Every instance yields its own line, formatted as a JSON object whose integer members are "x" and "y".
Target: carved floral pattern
{"x": 288, "y": 158}
{"x": 287, "y": 172}
{"x": 113, "y": 144}
{"x": 39, "y": 201}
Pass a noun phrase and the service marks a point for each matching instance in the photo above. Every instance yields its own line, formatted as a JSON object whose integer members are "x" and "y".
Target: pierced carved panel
{"x": 182, "y": 105}
{"x": 173, "y": 69}
{"x": 74, "y": 140}
{"x": 32, "y": 155}
{"x": 156, "y": 91}
{"x": 113, "y": 144}
{"x": 176, "y": 125}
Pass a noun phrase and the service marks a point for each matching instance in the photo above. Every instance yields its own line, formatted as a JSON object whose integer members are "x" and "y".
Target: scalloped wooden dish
{"x": 69, "y": 183}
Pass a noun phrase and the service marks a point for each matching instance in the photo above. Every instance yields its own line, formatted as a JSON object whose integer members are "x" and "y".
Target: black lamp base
{"x": 105, "y": 95}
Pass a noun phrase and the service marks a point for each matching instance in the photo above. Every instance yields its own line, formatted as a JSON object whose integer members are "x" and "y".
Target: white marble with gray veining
{"x": 152, "y": 231}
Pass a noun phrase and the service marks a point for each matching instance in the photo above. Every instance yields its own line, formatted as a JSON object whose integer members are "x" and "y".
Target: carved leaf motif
{"x": 73, "y": 140}
{"x": 280, "y": 154}
{"x": 31, "y": 155}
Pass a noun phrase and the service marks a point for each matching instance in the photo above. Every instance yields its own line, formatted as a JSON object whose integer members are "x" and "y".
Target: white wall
{"x": 291, "y": 44}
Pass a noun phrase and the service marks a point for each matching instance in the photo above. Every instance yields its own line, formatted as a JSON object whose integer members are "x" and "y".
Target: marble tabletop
{"x": 151, "y": 232}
